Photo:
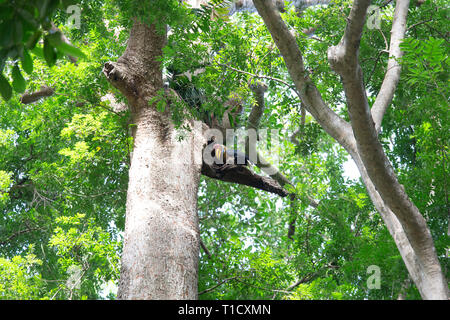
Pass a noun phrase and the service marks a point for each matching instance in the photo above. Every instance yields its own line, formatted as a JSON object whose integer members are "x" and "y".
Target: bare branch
{"x": 30, "y": 97}
{"x": 131, "y": 70}
{"x": 217, "y": 285}
{"x": 392, "y": 75}
{"x": 305, "y": 279}
{"x": 253, "y": 123}
{"x": 343, "y": 58}
{"x": 374, "y": 65}
{"x": 258, "y": 76}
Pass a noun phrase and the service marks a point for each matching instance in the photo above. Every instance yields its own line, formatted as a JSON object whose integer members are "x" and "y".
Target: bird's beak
{"x": 218, "y": 153}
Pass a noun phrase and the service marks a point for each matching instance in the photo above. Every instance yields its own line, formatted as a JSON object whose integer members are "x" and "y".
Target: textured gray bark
{"x": 402, "y": 218}
{"x": 395, "y": 229}
{"x": 344, "y": 60}
{"x": 161, "y": 241}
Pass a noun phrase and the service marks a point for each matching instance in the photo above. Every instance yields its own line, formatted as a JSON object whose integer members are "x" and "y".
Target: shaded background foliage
{"x": 64, "y": 159}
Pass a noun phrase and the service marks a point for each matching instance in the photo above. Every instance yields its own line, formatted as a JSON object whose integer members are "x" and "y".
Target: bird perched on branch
{"x": 230, "y": 156}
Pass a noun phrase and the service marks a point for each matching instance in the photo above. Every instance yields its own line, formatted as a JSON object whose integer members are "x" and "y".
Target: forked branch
{"x": 344, "y": 60}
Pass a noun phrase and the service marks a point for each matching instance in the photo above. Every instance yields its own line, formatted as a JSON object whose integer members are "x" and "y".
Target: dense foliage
{"x": 64, "y": 160}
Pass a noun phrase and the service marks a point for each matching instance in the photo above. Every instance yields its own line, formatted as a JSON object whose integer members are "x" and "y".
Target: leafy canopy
{"x": 64, "y": 159}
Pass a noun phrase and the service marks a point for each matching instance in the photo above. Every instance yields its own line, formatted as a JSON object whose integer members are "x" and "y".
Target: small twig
{"x": 375, "y": 65}
{"x": 18, "y": 233}
{"x": 259, "y": 76}
{"x": 217, "y": 285}
{"x": 205, "y": 249}
{"x": 386, "y": 45}
{"x": 419, "y": 23}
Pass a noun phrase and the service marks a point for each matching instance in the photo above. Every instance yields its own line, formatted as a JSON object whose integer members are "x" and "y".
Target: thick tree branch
{"x": 30, "y": 97}
{"x": 242, "y": 175}
{"x": 392, "y": 75}
{"x": 63, "y": 38}
{"x": 20, "y": 232}
{"x": 334, "y": 125}
{"x": 343, "y": 58}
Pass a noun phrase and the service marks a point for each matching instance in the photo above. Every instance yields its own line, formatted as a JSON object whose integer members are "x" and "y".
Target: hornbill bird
{"x": 224, "y": 155}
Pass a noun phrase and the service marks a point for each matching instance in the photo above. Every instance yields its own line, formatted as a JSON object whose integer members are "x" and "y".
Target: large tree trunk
{"x": 161, "y": 242}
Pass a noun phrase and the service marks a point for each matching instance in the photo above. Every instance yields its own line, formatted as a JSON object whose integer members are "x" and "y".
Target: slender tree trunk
{"x": 161, "y": 241}
{"x": 409, "y": 256}
{"x": 403, "y": 219}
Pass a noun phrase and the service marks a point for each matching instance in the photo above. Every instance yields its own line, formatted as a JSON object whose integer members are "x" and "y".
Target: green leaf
{"x": 49, "y": 52}
{"x": 71, "y": 50}
{"x": 55, "y": 38}
{"x": 33, "y": 40}
{"x": 231, "y": 119}
{"x": 161, "y": 105}
{"x": 19, "y": 83}
{"x": 5, "y": 88}
{"x": 27, "y": 62}
{"x": 38, "y": 51}
{"x": 17, "y": 31}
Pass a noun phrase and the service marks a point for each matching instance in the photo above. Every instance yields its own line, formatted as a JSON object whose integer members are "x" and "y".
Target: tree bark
{"x": 161, "y": 240}
{"x": 30, "y": 97}
{"x": 161, "y": 243}
{"x": 344, "y": 60}
{"x": 404, "y": 221}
